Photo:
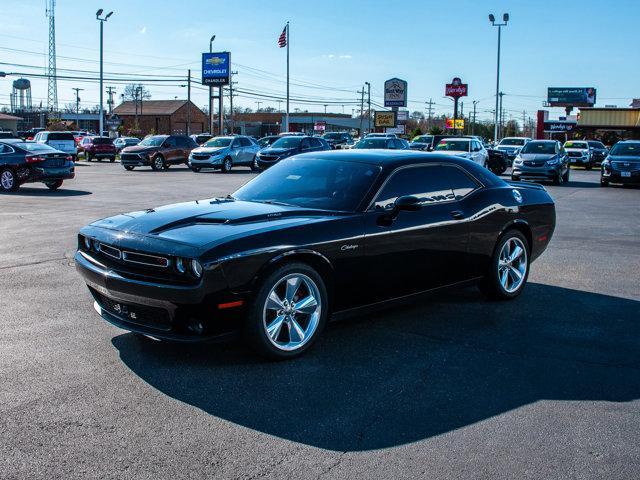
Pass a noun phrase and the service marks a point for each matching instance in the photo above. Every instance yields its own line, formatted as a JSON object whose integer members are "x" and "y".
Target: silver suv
{"x": 63, "y": 141}
{"x": 225, "y": 152}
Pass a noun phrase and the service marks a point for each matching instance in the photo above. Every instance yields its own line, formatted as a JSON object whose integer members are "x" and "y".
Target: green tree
{"x": 435, "y": 130}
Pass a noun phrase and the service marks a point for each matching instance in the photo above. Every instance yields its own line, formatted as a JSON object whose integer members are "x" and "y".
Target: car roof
{"x": 384, "y": 157}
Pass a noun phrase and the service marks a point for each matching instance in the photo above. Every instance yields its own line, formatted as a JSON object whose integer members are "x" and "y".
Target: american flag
{"x": 282, "y": 40}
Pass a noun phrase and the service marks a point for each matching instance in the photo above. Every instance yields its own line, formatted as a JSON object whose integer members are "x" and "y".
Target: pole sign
{"x": 452, "y": 124}
{"x": 320, "y": 126}
{"x": 571, "y": 97}
{"x": 456, "y": 89}
{"x": 384, "y": 119}
{"x": 216, "y": 68}
{"x": 113, "y": 122}
{"x": 559, "y": 126}
{"x": 395, "y": 93}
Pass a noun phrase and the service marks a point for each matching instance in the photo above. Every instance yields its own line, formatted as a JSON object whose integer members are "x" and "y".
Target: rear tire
{"x": 275, "y": 301}
{"x": 8, "y": 180}
{"x": 604, "y": 183}
{"x": 196, "y": 169}
{"x": 588, "y": 166}
{"x": 509, "y": 267}
{"x": 53, "y": 185}
{"x": 112, "y": 159}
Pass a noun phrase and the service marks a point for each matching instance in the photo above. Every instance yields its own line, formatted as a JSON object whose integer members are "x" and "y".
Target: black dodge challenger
{"x": 317, "y": 236}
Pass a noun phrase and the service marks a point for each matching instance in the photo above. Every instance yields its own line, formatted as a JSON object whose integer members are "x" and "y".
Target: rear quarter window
{"x": 60, "y": 136}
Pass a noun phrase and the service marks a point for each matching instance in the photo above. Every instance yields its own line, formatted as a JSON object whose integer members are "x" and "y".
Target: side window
{"x": 461, "y": 183}
{"x": 315, "y": 143}
{"x": 391, "y": 144}
{"x": 304, "y": 144}
{"x": 245, "y": 142}
{"x": 429, "y": 183}
{"x": 3, "y": 149}
{"x": 170, "y": 142}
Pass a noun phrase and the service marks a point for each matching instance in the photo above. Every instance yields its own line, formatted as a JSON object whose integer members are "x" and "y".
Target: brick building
{"x": 161, "y": 117}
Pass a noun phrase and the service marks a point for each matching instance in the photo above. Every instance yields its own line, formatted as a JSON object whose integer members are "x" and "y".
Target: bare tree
{"x": 136, "y": 91}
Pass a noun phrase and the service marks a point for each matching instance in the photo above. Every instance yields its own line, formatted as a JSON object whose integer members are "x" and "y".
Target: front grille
{"x": 268, "y": 158}
{"x": 110, "y": 251}
{"x": 574, "y": 154}
{"x": 145, "y": 259}
{"x": 129, "y": 156}
{"x": 531, "y": 163}
{"x": 152, "y": 317}
{"x": 200, "y": 157}
{"x": 626, "y": 166}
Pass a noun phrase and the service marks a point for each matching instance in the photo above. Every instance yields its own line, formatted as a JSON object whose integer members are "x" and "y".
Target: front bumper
{"x": 103, "y": 154}
{"x": 579, "y": 160}
{"x": 510, "y": 154}
{"x": 211, "y": 162}
{"x": 536, "y": 173}
{"x": 616, "y": 176}
{"x": 172, "y": 312}
{"x": 130, "y": 160}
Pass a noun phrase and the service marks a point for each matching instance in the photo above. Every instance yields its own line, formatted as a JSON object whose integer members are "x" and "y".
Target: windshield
{"x": 266, "y": 141}
{"x": 219, "y": 142}
{"x": 544, "y": 148}
{"x": 60, "y": 136}
{"x": 512, "y": 141}
{"x": 372, "y": 142}
{"x": 152, "y": 141}
{"x": 34, "y": 147}
{"x": 312, "y": 183}
{"x": 626, "y": 149}
{"x": 576, "y": 145}
{"x": 596, "y": 145}
{"x": 287, "y": 142}
{"x": 423, "y": 139}
{"x": 453, "y": 145}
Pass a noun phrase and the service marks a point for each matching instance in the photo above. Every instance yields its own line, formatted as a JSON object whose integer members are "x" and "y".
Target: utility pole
{"x": 259, "y": 103}
{"x": 279, "y": 106}
{"x": 78, "y": 90}
{"x": 189, "y": 102}
{"x": 110, "y": 92}
{"x": 325, "y": 108}
{"x": 361, "y": 92}
{"x": 368, "y": 106}
{"x": 473, "y": 124}
{"x": 462, "y": 114}
{"x": 429, "y": 112}
{"x": 524, "y": 123}
{"x": 231, "y": 83}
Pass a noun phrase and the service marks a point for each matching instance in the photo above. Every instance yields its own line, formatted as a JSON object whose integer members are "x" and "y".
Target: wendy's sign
{"x": 456, "y": 88}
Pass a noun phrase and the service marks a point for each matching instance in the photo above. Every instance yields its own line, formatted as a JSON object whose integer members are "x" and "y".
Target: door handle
{"x": 457, "y": 214}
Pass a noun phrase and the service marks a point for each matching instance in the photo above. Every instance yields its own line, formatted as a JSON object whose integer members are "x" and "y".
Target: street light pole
{"x": 101, "y": 20}
{"x": 78, "y": 90}
{"x": 492, "y": 19}
{"x": 189, "y": 102}
{"x": 213, "y": 37}
{"x": 368, "y": 106}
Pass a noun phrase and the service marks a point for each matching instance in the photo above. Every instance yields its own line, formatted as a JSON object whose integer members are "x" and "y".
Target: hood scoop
{"x": 189, "y": 221}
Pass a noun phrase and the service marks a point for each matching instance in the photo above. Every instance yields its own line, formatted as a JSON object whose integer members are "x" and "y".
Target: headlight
{"x": 196, "y": 268}
{"x": 553, "y": 161}
{"x": 517, "y": 160}
{"x": 87, "y": 242}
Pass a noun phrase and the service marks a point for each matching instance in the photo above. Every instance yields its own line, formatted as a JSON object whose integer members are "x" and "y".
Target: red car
{"x": 97, "y": 147}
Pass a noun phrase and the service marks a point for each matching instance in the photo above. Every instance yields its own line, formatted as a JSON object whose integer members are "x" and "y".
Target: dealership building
{"x": 260, "y": 124}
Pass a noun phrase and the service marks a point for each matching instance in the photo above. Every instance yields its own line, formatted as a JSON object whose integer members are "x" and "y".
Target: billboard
{"x": 395, "y": 93}
{"x": 385, "y": 119}
{"x": 320, "y": 126}
{"x": 571, "y": 96}
{"x": 458, "y": 124}
{"x": 456, "y": 88}
{"x": 216, "y": 68}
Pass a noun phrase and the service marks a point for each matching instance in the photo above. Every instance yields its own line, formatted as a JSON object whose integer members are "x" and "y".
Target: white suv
{"x": 511, "y": 146}
{"x": 63, "y": 141}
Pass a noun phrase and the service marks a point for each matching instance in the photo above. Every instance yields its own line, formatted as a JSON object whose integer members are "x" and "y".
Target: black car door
{"x": 417, "y": 250}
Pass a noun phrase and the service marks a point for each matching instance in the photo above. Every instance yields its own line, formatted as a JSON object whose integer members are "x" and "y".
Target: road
{"x": 455, "y": 387}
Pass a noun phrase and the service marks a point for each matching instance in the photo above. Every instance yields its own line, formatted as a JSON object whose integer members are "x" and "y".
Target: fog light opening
{"x": 195, "y": 326}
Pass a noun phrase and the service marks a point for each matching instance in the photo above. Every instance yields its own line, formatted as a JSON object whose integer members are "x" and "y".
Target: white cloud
{"x": 332, "y": 55}
{"x": 143, "y": 30}
{"x": 345, "y": 56}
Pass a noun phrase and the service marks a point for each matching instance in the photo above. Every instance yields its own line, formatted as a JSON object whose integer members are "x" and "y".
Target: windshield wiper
{"x": 275, "y": 202}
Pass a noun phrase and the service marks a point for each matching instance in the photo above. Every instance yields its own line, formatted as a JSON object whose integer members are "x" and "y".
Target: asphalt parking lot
{"x": 546, "y": 386}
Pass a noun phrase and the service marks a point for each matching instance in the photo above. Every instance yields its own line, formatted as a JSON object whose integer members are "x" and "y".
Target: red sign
{"x": 456, "y": 88}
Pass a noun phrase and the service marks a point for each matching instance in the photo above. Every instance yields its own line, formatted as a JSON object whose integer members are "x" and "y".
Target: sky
{"x": 336, "y": 46}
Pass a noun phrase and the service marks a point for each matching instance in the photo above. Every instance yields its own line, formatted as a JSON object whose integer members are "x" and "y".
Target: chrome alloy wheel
{"x": 292, "y": 312}
{"x": 7, "y": 180}
{"x": 512, "y": 264}
{"x": 158, "y": 163}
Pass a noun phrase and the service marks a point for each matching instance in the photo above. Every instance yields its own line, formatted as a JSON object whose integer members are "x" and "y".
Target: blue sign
{"x": 216, "y": 68}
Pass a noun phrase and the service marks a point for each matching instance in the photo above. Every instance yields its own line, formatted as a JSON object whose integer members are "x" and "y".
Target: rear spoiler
{"x": 530, "y": 186}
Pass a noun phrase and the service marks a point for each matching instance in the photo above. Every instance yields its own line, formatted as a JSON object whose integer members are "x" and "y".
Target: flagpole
{"x": 287, "y": 117}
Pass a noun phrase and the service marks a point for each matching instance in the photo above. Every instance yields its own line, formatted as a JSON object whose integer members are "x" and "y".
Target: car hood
{"x": 139, "y": 149}
{"x": 509, "y": 147}
{"x": 209, "y": 150}
{"x": 276, "y": 151}
{"x": 537, "y": 156}
{"x": 205, "y": 223}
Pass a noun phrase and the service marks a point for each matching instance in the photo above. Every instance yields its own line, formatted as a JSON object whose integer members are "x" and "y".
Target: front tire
{"x": 157, "y": 163}
{"x": 8, "y": 180}
{"x": 227, "y": 164}
{"x": 565, "y": 177}
{"x": 604, "y": 183}
{"x": 196, "y": 169}
{"x": 255, "y": 167}
{"x": 128, "y": 168}
{"x": 509, "y": 268}
{"x": 288, "y": 313}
